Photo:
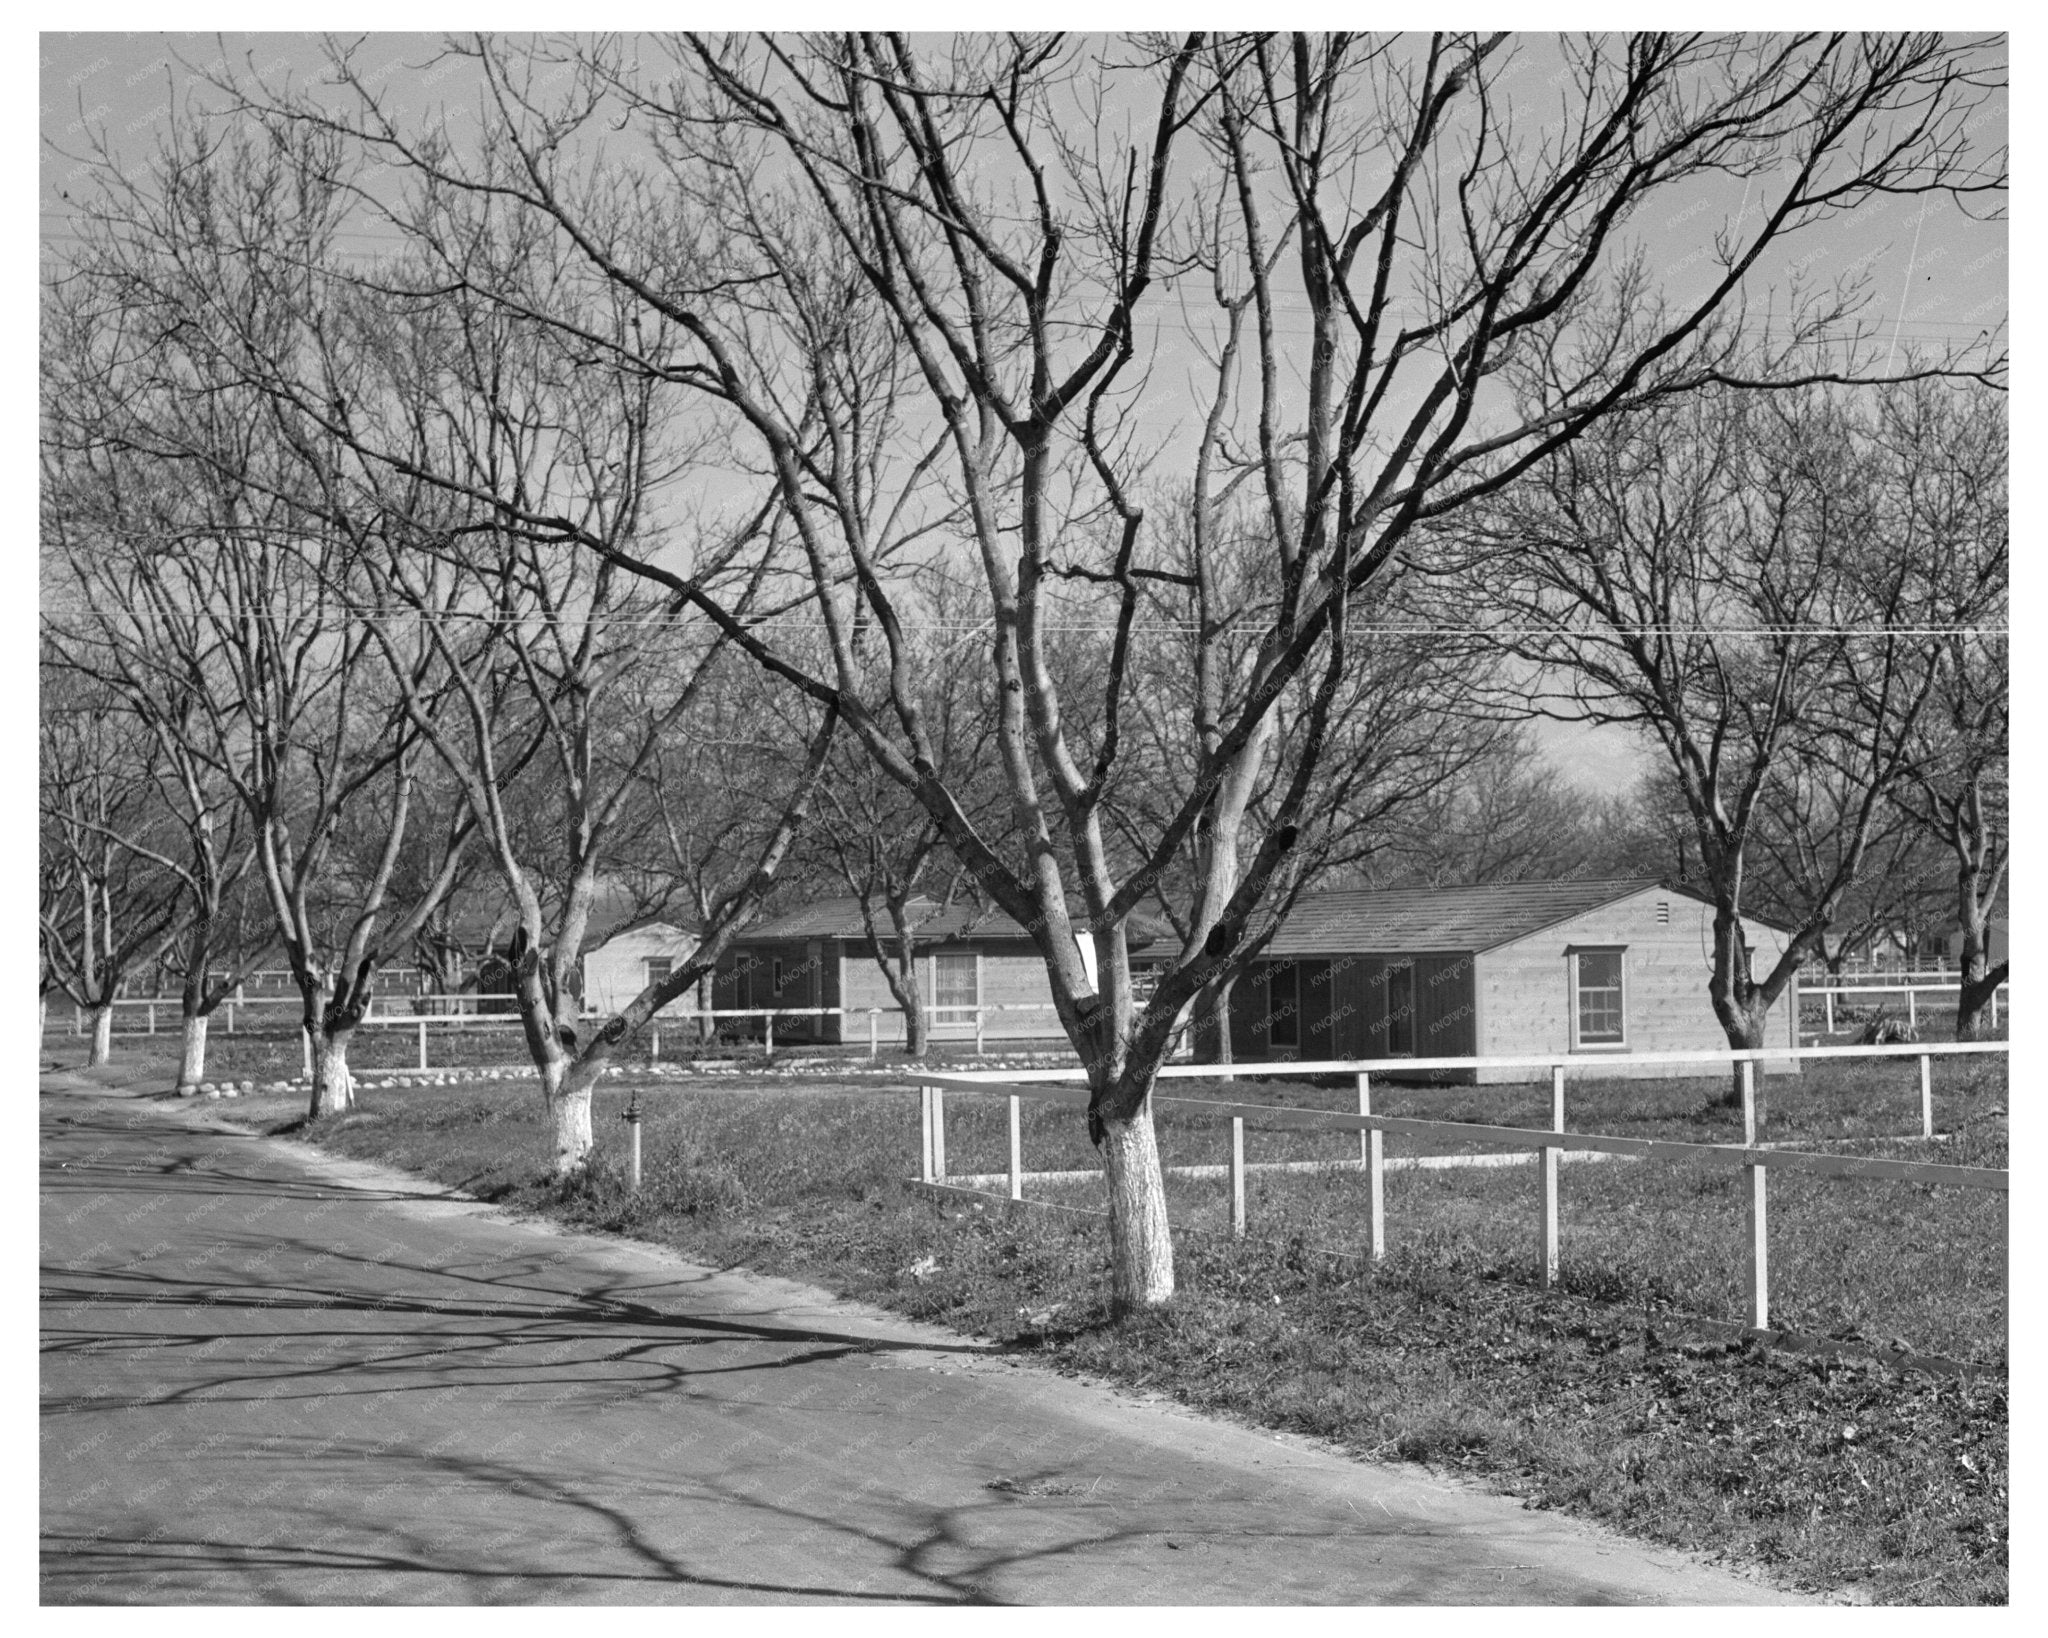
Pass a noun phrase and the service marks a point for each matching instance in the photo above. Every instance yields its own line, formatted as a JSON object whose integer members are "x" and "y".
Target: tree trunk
{"x": 1979, "y": 982}
{"x": 574, "y": 1084}
{"x": 1740, "y": 1005}
{"x": 334, "y": 1089}
{"x": 1744, "y": 1026}
{"x": 916, "y": 1034}
{"x": 573, "y": 1137}
{"x": 1212, "y": 1022}
{"x": 1140, "y": 1241}
{"x": 192, "y": 1067}
{"x": 102, "y": 1035}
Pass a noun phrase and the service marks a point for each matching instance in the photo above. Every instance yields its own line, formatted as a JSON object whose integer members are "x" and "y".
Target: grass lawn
{"x": 1848, "y": 1476}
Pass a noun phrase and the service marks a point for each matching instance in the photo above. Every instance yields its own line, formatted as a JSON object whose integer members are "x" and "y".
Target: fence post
{"x": 1016, "y": 1147}
{"x": 1375, "y": 1170}
{"x": 1364, "y": 1108}
{"x": 1759, "y": 1248}
{"x": 152, "y": 1018}
{"x": 231, "y": 1017}
{"x": 1829, "y": 996}
{"x": 771, "y": 1037}
{"x": 77, "y": 1019}
{"x": 1912, "y": 1010}
{"x": 978, "y": 1021}
{"x": 633, "y": 1155}
{"x": 1759, "y": 1253}
{"x": 1237, "y": 1175}
{"x": 1926, "y": 1095}
{"x": 924, "y": 1105}
{"x": 1549, "y": 1158}
{"x": 654, "y": 1044}
{"x": 306, "y": 1049}
{"x": 874, "y": 1037}
{"x": 1994, "y": 1004}
{"x": 423, "y": 1043}
{"x": 939, "y": 1134}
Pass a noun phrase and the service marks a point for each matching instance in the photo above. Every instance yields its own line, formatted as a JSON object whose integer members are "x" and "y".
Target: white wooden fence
{"x": 461, "y": 1022}
{"x": 1548, "y": 1145}
{"x": 1911, "y": 991}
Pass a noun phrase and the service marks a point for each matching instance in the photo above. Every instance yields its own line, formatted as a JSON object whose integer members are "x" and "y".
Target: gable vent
{"x": 1663, "y": 912}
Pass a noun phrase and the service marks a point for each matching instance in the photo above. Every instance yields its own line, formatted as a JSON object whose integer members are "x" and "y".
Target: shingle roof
{"x": 1396, "y": 920}
{"x": 840, "y": 918}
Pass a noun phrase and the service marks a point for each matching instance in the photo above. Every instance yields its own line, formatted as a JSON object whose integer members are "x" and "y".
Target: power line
{"x": 1142, "y": 628}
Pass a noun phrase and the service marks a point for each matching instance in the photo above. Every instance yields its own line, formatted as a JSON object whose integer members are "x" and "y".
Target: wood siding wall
{"x": 616, "y": 971}
{"x": 1515, "y": 1001}
{"x": 1524, "y": 988}
{"x": 843, "y": 973}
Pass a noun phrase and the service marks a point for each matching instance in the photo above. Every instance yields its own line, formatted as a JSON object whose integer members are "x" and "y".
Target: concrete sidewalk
{"x": 274, "y": 1376}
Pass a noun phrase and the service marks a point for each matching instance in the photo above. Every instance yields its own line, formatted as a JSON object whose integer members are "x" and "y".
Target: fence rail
{"x": 1548, "y": 1143}
{"x": 461, "y": 1022}
{"x": 1911, "y": 991}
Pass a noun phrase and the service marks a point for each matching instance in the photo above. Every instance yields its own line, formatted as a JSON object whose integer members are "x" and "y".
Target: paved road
{"x": 271, "y": 1376}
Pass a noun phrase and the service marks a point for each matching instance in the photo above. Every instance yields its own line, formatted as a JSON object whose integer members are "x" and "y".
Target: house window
{"x": 956, "y": 987}
{"x": 1283, "y": 1003}
{"x": 658, "y": 968}
{"x": 775, "y": 977}
{"x": 1597, "y": 1018}
{"x": 1401, "y": 1010}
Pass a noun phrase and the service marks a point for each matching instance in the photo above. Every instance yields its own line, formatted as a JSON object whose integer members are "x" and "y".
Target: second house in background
{"x": 1602, "y": 971}
{"x": 969, "y": 960}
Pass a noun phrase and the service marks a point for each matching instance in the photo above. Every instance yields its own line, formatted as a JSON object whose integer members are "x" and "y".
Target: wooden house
{"x": 966, "y": 958}
{"x": 1599, "y": 970}
{"x": 631, "y": 957}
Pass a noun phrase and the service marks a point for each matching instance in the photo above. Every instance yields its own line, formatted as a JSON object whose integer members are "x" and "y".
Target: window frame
{"x": 648, "y": 977}
{"x": 1573, "y": 955}
{"x": 937, "y": 1007}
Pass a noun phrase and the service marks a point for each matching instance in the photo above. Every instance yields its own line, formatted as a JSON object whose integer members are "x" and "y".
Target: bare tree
{"x": 1401, "y": 731}
{"x": 1960, "y": 794}
{"x": 1507, "y": 816}
{"x": 1896, "y": 893}
{"x": 569, "y": 674}
{"x": 1743, "y": 581}
{"x": 880, "y": 843}
{"x": 229, "y": 604}
{"x": 90, "y": 517}
{"x": 1955, "y": 444}
{"x": 111, "y": 903}
{"x": 992, "y": 236}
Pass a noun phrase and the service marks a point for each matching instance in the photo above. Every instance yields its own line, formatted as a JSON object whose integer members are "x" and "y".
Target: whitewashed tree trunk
{"x": 102, "y": 1035}
{"x": 1140, "y": 1242}
{"x": 571, "y": 1102}
{"x": 192, "y": 1066}
{"x": 334, "y": 1089}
